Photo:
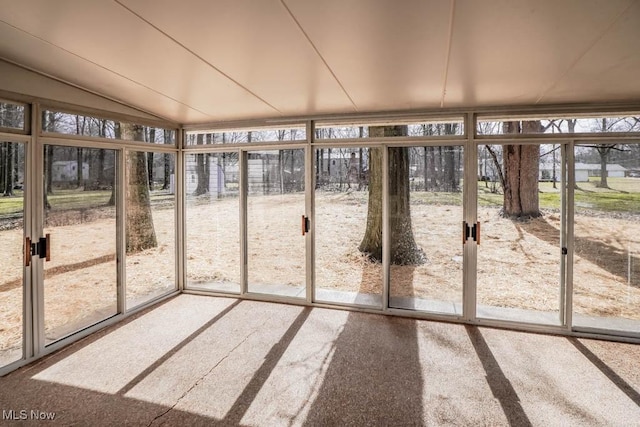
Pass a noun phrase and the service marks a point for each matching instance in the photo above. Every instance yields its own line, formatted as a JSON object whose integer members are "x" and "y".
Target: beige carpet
{"x": 197, "y": 360}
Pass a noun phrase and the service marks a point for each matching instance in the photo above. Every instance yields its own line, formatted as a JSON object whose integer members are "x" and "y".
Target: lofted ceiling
{"x": 195, "y": 61}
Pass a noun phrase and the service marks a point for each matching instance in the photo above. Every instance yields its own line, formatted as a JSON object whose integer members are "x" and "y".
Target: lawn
{"x": 72, "y": 199}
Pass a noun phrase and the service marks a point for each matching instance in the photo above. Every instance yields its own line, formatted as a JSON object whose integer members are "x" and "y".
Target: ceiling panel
{"x": 610, "y": 71}
{"x": 108, "y": 35}
{"x": 200, "y": 61}
{"x": 35, "y": 85}
{"x": 36, "y": 54}
{"x": 508, "y": 52}
{"x": 256, "y": 43}
{"x": 388, "y": 55}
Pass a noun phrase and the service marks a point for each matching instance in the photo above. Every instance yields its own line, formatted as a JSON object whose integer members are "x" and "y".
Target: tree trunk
{"x": 201, "y": 171}
{"x": 8, "y": 179}
{"x": 372, "y": 242}
{"x": 79, "y": 162}
{"x": 604, "y": 155}
{"x": 150, "y": 169}
{"x": 404, "y": 250}
{"x": 3, "y": 163}
{"x": 167, "y": 171}
{"x": 101, "y": 183}
{"x": 449, "y": 170}
{"x": 521, "y": 168}
{"x": 140, "y": 231}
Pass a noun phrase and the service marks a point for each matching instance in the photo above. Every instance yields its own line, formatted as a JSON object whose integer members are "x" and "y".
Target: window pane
{"x": 75, "y": 124}
{"x": 12, "y": 237}
{"x": 425, "y": 213}
{"x": 275, "y": 205}
{"x": 410, "y": 128}
{"x": 519, "y": 256}
{"x": 606, "y": 273}
{"x": 243, "y": 136}
{"x": 555, "y": 125}
{"x": 150, "y": 226}
{"x": 80, "y": 281}
{"x": 344, "y": 273}
{"x": 213, "y": 221}
{"x": 11, "y": 115}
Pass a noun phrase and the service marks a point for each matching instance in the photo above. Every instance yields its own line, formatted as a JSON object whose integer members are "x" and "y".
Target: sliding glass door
{"x": 276, "y": 224}
{"x": 425, "y": 212}
{"x": 520, "y": 264}
{"x": 12, "y": 251}
{"x": 606, "y": 271}
{"x": 79, "y": 242}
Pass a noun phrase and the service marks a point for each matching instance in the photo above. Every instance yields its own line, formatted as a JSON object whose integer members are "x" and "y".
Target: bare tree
{"x": 8, "y": 168}
{"x": 140, "y": 233}
{"x": 404, "y": 250}
{"x": 521, "y": 170}
{"x": 202, "y": 169}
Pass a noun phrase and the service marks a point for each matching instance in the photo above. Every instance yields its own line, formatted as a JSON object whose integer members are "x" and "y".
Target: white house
{"x": 67, "y": 171}
{"x": 585, "y": 170}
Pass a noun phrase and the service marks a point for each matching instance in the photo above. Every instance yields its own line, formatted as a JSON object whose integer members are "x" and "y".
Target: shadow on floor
{"x": 78, "y": 406}
{"x": 607, "y": 371}
{"x": 500, "y": 385}
{"x": 375, "y": 376}
{"x": 251, "y": 390}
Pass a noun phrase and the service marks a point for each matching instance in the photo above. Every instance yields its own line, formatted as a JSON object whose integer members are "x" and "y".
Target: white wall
{"x": 22, "y": 81}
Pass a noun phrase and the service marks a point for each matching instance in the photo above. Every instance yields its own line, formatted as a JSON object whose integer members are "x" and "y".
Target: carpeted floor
{"x": 197, "y": 360}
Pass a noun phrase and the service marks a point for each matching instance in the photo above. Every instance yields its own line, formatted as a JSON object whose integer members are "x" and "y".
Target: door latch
{"x": 472, "y": 231}
{"x": 41, "y": 248}
{"x": 304, "y": 225}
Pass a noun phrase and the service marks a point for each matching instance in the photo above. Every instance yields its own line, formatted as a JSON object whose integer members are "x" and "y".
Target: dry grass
{"x": 518, "y": 262}
{"x": 79, "y": 296}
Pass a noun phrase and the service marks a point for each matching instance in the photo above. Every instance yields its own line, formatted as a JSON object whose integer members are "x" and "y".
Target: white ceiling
{"x": 194, "y": 61}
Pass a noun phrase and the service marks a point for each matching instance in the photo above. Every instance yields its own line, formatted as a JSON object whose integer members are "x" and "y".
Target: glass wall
{"x": 549, "y": 125}
{"x": 12, "y": 175}
{"x": 12, "y": 116}
{"x": 276, "y": 246}
{"x": 425, "y": 213}
{"x": 78, "y": 124}
{"x": 150, "y": 226}
{"x": 409, "y": 128}
{"x": 213, "y": 221}
{"x": 519, "y": 258}
{"x": 246, "y": 136}
{"x": 80, "y": 280}
{"x": 345, "y": 270}
{"x": 606, "y": 272}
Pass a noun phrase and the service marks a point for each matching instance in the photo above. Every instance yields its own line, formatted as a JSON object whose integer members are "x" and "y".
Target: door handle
{"x": 47, "y": 247}
{"x": 27, "y": 252}
{"x": 304, "y": 225}
{"x": 42, "y": 248}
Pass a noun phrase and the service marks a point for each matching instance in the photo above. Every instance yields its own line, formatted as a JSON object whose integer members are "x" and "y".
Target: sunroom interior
{"x": 355, "y": 155}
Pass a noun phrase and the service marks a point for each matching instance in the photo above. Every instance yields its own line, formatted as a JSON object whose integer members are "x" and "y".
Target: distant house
{"x": 583, "y": 171}
{"x": 216, "y": 176}
{"x": 586, "y": 170}
{"x": 67, "y": 171}
{"x": 546, "y": 171}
